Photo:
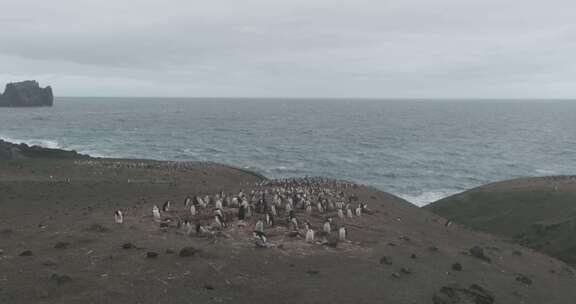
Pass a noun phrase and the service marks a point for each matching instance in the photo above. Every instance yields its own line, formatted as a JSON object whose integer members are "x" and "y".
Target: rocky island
{"x": 26, "y": 94}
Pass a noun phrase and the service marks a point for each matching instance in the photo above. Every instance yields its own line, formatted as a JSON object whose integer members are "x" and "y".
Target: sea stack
{"x": 26, "y": 94}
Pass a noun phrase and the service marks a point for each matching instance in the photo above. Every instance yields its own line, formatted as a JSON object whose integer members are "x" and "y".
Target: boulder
{"x": 26, "y": 94}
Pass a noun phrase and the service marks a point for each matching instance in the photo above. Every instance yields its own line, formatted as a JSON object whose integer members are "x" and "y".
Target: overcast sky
{"x": 292, "y": 48}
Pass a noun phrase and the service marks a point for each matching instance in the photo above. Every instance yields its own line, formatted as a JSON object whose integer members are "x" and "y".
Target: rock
{"x": 208, "y": 286}
{"x": 26, "y": 94}
{"x": 60, "y": 279}
{"x": 151, "y": 255}
{"x": 405, "y": 270}
{"x": 433, "y": 249}
{"x": 50, "y": 262}
{"x": 97, "y": 228}
{"x": 61, "y": 245}
{"x": 478, "y": 252}
{"x": 413, "y": 256}
{"x": 313, "y": 272}
{"x": 23, "y": 151}
{"x": 395, "y": 275}
{"x": 457, "y": 267}
{"x": 385, "y": 260}
{"x": 128, "y": 246}
{"x": 524, "y": 279}
{"x": 1, "y": 251}
{"x": 26, "y": 253}
{"x": 455, "y": 294}
{"x": 517, "y": 253}
{"x": 170, "y": 251}
{"x": 188, "y": 251}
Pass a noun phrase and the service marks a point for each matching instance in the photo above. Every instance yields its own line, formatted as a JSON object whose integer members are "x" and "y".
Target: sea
{"x": 420, "y": 150}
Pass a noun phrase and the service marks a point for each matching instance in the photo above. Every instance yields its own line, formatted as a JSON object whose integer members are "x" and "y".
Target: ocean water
{"x": 421, "y": 150}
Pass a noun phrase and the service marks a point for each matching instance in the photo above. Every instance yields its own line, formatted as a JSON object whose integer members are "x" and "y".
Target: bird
{"x": 309, "y": 233}
{"x": 327, "y": 227}
{"x": 259, "y": 226}
{"x": 166, "y": 206}
{"x": 260, "y": 239}
{"x": 359, "y": 211}
{"x": 340, "y": 213}
{"x": 118, "y": 217}
{"x": 156, "y": 213}
{"x": 193, "y": 211}
{"x": 342, "y": 233}
{"x": 349, "y": 212}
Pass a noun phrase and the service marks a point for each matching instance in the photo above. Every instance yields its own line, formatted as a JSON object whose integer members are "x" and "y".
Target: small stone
{"x": 395, "y": 275}
{"x": 188, "y": 252}
{"x": 151, "y": 255}
{"x": 457, "y": 267}
{"x": 170, "y": 251}
{"x": 478, "y": 252}
{"x": 50, "y": 262}
{"x": 208, "y": 286}
{"x": 26, "y": 253}
{"x": 413, "y": 256}
{"x": 61, "y": 245}
{"x": 128, "y": 246}
{"x": 313, "y": 272}
{"x": 524, "y": 279}
{"x": 405, "y": 270}
{"x": 433, "y": 248}
{"x": 60, "y": 279}
{"x": 385, "y": 260}
{"x": 517, "y": 253}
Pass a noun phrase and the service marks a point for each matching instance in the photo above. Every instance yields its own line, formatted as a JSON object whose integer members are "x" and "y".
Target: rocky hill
{"x": 26, "y": 94}
{"x": 537, "y": 212}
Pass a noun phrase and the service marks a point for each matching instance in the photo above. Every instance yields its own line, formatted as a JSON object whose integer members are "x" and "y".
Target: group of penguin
{"x": 288, "y": 195}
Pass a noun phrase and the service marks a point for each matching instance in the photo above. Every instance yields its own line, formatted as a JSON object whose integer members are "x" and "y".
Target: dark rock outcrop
{"x": 455, "y": 294}
{"x": 19, "y": 151}
{"x": 26, "y": 94}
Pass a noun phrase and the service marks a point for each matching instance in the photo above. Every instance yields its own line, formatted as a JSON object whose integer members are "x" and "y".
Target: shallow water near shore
{"x": 421, "y": 150}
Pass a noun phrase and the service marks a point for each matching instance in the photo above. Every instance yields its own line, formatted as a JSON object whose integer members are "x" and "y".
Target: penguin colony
{"x": 287, "y": 205}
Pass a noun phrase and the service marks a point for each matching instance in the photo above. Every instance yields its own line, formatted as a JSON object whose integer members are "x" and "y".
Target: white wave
{"x": 45, "y": 143}
{"x": 426, "y": 198}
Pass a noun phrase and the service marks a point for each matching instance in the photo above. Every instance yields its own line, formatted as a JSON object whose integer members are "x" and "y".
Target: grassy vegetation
{"x": 540, "y": 216}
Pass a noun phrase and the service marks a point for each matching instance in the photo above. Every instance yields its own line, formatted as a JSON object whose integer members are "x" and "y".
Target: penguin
{"x": 327, "y": 226}
{"x": 309, "y": 209}
{"x": 273, "y": 210}
{"x": 193, "y": 211}
{"x": 260, "y": 239}
{"x": 320, "y": 207}
{"x": 118, "y": 217}
{"x": 187, "y": 201}
{"x": 340, "y": 213}
{"x": 359, "y": 211}
{"x": 156, "y": 213}
{"x": 199, "y": 229}
{"x": 218, "y": 204}
{"x": 259, "y": 226}
{"x": 242, "y": 213}
{"x": 294, "y": 224}
{"x": 166, "y": 206}
{"x": 448, "y": 223}
{"x": 309, "y": 233}
{"x": 269, "y": 219}
{"x": 219, "y": 221}
{"x": 342, "y": 234}
{"x": 349, "y": 213}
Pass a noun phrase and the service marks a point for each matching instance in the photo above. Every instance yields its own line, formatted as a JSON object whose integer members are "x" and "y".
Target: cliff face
{"x": 26, "y": 94}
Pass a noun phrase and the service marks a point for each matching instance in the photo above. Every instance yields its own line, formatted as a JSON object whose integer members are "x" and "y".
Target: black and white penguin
{"x": 269, "y": 219}
{"x": 156, "y": 213}
{"x": 259, "y": 226}
{"x": 242, "y": 213}
{"x": 309, "y": 233}
{"x": 260, "y": 239}
{"x": 342, "y": 234}
{"x": 340, "y": 213}
{"x": 193, "y": 210}
{"x": 187, "y": 201}
{"x": 328, "y": 226}
{"x": 118, "y": 217}
{"x": 219, "y": 221}
{"x": 166, "y": 206}
{"x": 448, "y": 223}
